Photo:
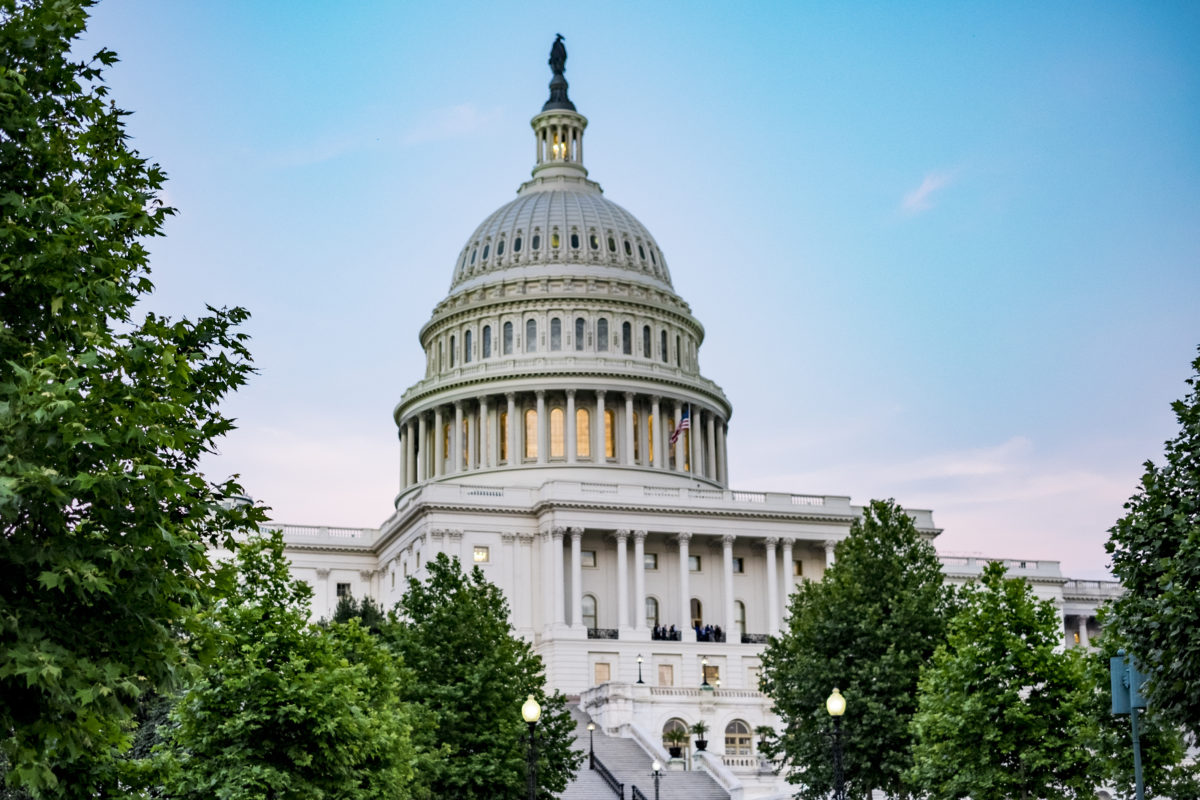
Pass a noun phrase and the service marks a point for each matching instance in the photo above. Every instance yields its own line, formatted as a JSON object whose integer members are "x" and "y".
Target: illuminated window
{"x": 651, "y": 612}
{"x": 343, "y": 590}
{"x": 446, "y": 441}
{"x": 583, "y": 433}
{"x": 588, "y": 606}
{"x": 697, "y": 609}
{"x": 712, "y": 674}
{"x": 602, "y": 334}
{"x": 737, "y": 739}
{"x": 637, "y": 440}
{"x": 626, "y": 338}
{"x": 612, "y": 245}
{"x": 554, "y": 242}
{"x": 466, "y": 441}
{"x": 739, "y": 616}
{"x": 693, "y": 563}
{"x": 481, "y": 554}
{"x": 580, "y": 326}
{"x": 452, "y": 348}
{"x": 508, "y": 339}
{"x": 531, "y": 442}
{"x": 798, "y": 568}
{"x": 530, "y": 336}
{"x": 663, "y": 346}
{"x": 650, "y": 560}
{"x": 594, "y": 241}
{"x": 487, "y": 341}
{"x": 467, "y": 347}
{"x": 610, "y": 446}
{"x": 557, "y": 433}
{"x": 587, "y": 558}
{"x": 666, "y": 676}
{"x": 645, "y": 341}
{"x": 556, "y": 334}
{"x": 739, "y": 565}
{"x": 603, "y": 671}
{"x": 650, "y": 435}
{"x": 504, "y": 436}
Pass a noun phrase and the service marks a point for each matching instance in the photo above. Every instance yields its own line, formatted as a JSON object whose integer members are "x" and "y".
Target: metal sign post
{"x": 1127, "y": 698}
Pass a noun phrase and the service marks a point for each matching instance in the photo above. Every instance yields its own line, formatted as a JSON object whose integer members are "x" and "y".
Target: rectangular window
{"x": 588, "y": 558}
{"x": 739, "y": 565}
{"x": 603, "y": 672}
{"x": 797, "y": 568}
{"x": 666, "y": 675}
{"x": 693, "y": 563}
{"x": 343, "y": 589}
{"x": 712, "y": 674}
{"x": 405, "y": 573}
{"x": 481, "y": 554}
{"x": 651, "y": 560}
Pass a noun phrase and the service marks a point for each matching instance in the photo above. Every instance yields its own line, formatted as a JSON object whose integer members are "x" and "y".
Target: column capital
{"x": 771, "y": 541}
{"x": 458, "y": 405}
{"x": 683, "y": 537}
{"x": 630, "y": 395}
{"x": 621, "y": 534}
{"x": 557, "y": 531}
{"x": 525, "y": 536}
{"x": 436, "y": 533}
{"x": 600, "y": 393}
{"x": 639, "y": 535}
{"x": 830, "y": 544}
{"x": 507, "y": 538}
{"x": 656, "y": 398}
{"x": 323, "y": 573}
{"x": 455, "y": 535}
{"x": 570, "y": 392}
{"x": 728, "y": 539}
{"x": 511, "y": 396}
{"x": 576, "y": 533}
{"x": 367, "y": 574}
{"x": 787, "y": 542}
{"x": 539, "y": 393}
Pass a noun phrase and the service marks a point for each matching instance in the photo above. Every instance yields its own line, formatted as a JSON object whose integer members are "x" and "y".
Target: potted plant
{"x": 699, "y": 729}
{"x": 675, "y": 738}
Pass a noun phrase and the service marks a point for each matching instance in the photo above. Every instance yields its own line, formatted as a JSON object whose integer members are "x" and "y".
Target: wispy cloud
{"x": 451, "y": 122}
{"x": 920, "y": 199}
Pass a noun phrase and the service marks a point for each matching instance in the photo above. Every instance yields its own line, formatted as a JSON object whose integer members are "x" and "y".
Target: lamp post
{"x": 704, "y": 673}
{"x": 640, "y": 668}
{"x": 532, "y": 712}
{"x": 836, "y": 706}
{"x": 656, "y": 770}
{"x": 591, "y": 746}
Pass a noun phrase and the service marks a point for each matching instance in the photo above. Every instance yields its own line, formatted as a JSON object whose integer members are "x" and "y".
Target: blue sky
{"x": 944, "y": 252}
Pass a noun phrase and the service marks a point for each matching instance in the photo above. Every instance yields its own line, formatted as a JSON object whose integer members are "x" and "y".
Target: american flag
{"x": 684, "y": 424}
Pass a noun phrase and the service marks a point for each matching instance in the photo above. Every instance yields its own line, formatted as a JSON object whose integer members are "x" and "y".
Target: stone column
{"x": 511, "y": 433}
{"x": 522, "y": 571}
{"x": 411, "y": 460}
{"x": 627, "y": 456}
{"x": 599, "y": 450}
{"x": 473, "y": 440}
{"x": 403, "y": 457}
{"x": 639, "y": 580}
{"x": 829, "y": 559}
{"x": 622, "y": 537}
{"x": 439, "y": 457}
{"x": 576, "y": 578}
{"x": 570, "y": 426}
{"x": 656, "y": 433}
{"x": 1083, "y": 631}
{"x": 789, "y": 573}
{"x": 730, "y": 615}
{"x": 772, "y": 587}
{"x": 556, "y": 555}
{"x": 543, "y": 441}
{"x": 454, "y": 546}
{"x": 456, "y": 442}
{"x": 722, "y": 456}
{"x": 679, "y": 438}
{"x": 547, "y": 579}
{"x": 685, "y": 594}
{"x": 321, "y": 591}
{"x": 487, "y": 450}
{"x": 710, "y": 451}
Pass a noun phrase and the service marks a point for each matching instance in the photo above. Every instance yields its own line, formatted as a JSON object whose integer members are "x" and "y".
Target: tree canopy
{"x": 105, "y": 518}
{"x": 866, "y": 628}
{"x": 1001, "y": 712}
{"x": 1155, "y": 552}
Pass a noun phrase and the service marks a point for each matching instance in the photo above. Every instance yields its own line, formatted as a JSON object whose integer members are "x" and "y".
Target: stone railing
{"x": 328, "y": 533}
{"x": 602, "y": 633}
{"x": 741, "y": 762}
{"x": 1092, "y": 589}
{"x": 755, "y": 638}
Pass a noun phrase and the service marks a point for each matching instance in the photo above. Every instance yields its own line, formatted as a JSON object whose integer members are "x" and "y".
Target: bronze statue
{"x": 558, "y": 84}
{"x": 558, "y": 55}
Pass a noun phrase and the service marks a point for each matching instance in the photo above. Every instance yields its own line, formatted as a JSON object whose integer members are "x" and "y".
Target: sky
{"x": 943, "y": 252}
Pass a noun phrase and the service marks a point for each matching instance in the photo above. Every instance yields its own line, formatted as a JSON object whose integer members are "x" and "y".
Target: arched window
{"x": 504, "y": 436}
{"x": 537, "y": 244}
{"x": 739, "y": 617}
{"x": 737, "y": 739}
{"x": 466, "y": 441}
{"x": 451, "y": 352}
{"x": 556, "y": 334}
{"x": 580, "y": 326}
{"x": 486, "y": 248}
{"x": 588, "y": 607}
{"x": 637, "y": 439}
{"x": 530, "y": 336}
{"x": 467, "y": 347}
{"x": 645, "y": 341}
{"x": 626, "y": 338}
{"x": 612, "y": 245}
{"x": 610, "y": 444}
{"x": 594, "y": 241}
{"x": 508, "y": 339}
{"x": 663, "y": 346}
{"x": 554, "y": 242}
{"x": 517, "y": 245}
{"x": 487, "y": 341}
{"x": 583, "y": 433}
{"x": 500, "y": 247}
{"x": 602, "y": 335}
{"x": 677, "y": 349}
{"x": 531, "y": 433}
{"x": 628, "y": 249}
{"x": 557, "y": 433}
{"x": 677, "y": 725}
{"x": 697, "y": 609}
{"x": 651, "y": 612}
{"x": 574, "y": 241}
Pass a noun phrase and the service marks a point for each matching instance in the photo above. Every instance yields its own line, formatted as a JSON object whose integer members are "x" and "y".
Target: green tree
{"x": 472, "y": 675}
{"x": 866, "y": 629}
{"x": 1155, "y": 552}
{"x": 105, "y": 518}
{"x": 368, "y": 613}
{"x": 1001, "y": 713}
{"x": 285, "y": 708}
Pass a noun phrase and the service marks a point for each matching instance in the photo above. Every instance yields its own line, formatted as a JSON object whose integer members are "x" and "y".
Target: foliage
{"x": 472, "y": 675}
{"x": 1163, "y": 744}
{"x": 289, "y": 709}
{"x": 700, "y": 728}
{"x": 369, "y": 613}
{"x": 676, "y": 737}
{"x": 104, "y": 515}
{"x": 1155, "y": 552}
{"x": 866, "y": 628}
{"x": 1001, "y": 713}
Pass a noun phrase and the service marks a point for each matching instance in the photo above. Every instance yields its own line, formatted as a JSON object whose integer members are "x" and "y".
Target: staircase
{"x": 630, "y": 765}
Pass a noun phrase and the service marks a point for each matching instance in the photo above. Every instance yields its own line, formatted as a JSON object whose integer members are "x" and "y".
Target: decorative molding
{"x": 640, "y": 535}
{"x": 621, "y": 535}
{"x": 576, "y": 533}
{"x": 455, "y": 535}
{"x": 323, "y": 573}
{"x": 728, "y": 539}
{"x": 771, "y": 541}
{"x": 508, "y": 538}
{"x": 683, "y": 537}
{"x": 557, "y": 531}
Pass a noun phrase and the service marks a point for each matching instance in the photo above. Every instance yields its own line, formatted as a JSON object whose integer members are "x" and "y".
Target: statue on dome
{"x": 558, "y": 55}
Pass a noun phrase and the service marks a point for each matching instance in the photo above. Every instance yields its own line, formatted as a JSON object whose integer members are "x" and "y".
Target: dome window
{"x": 487, "y": 341}
{"x": 488, "y": 247}
{"x": 467, "y": 347}
{"x": 642, "y": 252}
{"x": 652, "y": 260}
{"x": 554, "y": 242}
{"x": 537, "y": 242}
{"x": 663, "y": 346}
{"x": 517, "y": 245}
{"x": 580, "y": 326}
{"x": 628, "y": 249}
{"x": 626, "y": 338}
{"x": 602, "y": 334}
{"x": 500, "y": 248}
{"x": 574, "y": 241}
{"x": 645, "y": 341}
{"x": 508, "y": 338}
{"x": 612, "y": 245}
{"x": 530, "y": 336}
{"x": 556, "y": 334}
{"x": 594, "y": 241}
{"x": 473, "y": 252}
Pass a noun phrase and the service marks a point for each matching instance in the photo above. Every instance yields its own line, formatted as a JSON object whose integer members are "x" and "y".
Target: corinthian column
{"x": 685, "y": 594}
{"x": 576, "y": 578}
{"x": 639, "y": 580}
{"x": 772, "y": 587}
{"x": 727, "y": 547}
{"x": 622, "y": 538}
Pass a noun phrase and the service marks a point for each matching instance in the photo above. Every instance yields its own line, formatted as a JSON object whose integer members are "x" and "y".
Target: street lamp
{"x": 532, "y": 712}
{"x": 704, "y": 673}
{"x": 640, "y": 668}
{"x": 591, "y": 746}
{"x": 656, "y": 770}
{"x": 836, "y": 706}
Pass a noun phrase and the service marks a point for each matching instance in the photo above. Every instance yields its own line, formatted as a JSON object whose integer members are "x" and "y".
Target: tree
{"x": 104, "y": 516}
{"x": 289, "y": 709}
{"x": 1155, "y": 551}
{"x": 866, "y": 629}
{"x": 472, "y": 675}
{"x": 1002, "y": 714}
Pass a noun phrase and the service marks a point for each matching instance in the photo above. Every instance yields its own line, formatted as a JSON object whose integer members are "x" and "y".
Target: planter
{"x": 702, "y": 744}
{"x": 675, "y": 752}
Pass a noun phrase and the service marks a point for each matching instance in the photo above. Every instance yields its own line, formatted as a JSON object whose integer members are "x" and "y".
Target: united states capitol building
{"x": 564, "y": 439}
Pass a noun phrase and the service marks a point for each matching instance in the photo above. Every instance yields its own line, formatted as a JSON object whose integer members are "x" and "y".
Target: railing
{"x": 614, "y": 784}
{"x": 749, "y": 497}
{"x": 660, "y": 491}
{"x": 636, "y": 794}
{"x": 323, "y": 531}
{"x": 602, "y": 633}
{"x": 807, "y": 500}
{"x": 483, "y": 491}
{"x": 755, "y": 638}
{"x": 599, "y": 488}
{"x": 741, "y": 762}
